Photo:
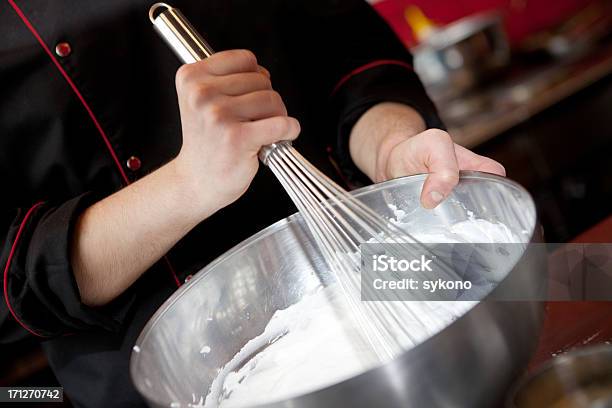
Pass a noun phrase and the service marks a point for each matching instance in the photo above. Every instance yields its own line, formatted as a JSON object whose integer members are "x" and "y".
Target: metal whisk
{"x": 338, "y": 221}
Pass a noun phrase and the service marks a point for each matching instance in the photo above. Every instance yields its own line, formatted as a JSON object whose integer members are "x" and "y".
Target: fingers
{"x": 430, "y": 152}
{"x": 434, "y": 152}
{"x": 232, "y": 93}
{"x": 441, "y": 163}
{"x": 245, "y": 83}
{"x": 267, "y": 131}
{"x": 219, "y": 64}
{"x": 221, "y": 84}
{"x": 264, "y": 71}
{"x": 232, "y": 73}
{"x": 234, "y": 62}
{"x": 258, "y": 105}
{"x": 231, "y": 85}
{"x": 469, "y": 160}
{"x": 231, "y": 62}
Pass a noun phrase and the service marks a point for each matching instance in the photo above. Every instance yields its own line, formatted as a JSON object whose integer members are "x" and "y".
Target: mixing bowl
{"x": 470, "y": 363}
{"x": 579, "y": 379}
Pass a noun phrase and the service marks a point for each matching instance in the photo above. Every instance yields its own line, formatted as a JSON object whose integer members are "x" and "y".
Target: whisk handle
{"x": 187, "y": 44}
{"x": 179, "y": 34}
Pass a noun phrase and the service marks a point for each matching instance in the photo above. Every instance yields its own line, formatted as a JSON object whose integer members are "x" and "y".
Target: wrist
{"x": 193, "y": 199}
{"x": 383, "y": 152}
{"x": 377, "y": 132}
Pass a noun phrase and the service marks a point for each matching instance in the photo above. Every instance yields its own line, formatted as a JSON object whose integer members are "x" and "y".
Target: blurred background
{"x": 526, "y": 82}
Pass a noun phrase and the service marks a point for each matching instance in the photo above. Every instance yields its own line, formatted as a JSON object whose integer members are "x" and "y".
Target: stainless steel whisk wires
{"x": 333, "y": 217}
{"x": 332, "y": 234}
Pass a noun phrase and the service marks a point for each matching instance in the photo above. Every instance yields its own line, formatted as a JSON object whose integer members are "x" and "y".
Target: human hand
{"x": 434, "y": 152}
{"x": 228, "y": 112}
{"x": 390, "y": 141}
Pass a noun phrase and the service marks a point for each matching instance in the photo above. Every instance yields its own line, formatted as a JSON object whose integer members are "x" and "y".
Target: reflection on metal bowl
{"x": 469, "y": 363}
{"x": 580, "y": 379}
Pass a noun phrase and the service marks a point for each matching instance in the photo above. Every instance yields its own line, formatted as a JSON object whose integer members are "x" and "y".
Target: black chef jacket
{"x": 88, "y": 105}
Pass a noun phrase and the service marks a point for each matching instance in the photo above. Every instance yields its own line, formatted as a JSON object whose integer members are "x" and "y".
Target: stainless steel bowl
{"x": 578, "y": 379}
{"x": 468, "y": 364}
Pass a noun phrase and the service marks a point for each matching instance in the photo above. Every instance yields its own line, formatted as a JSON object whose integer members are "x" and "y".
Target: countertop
{"x": 570, "y": 325}
{"x": 474, "y": 119}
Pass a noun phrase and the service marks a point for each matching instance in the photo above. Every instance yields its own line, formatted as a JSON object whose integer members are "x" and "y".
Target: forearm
{"x": 372, "y": 137}
{"x": 123, "y": 235}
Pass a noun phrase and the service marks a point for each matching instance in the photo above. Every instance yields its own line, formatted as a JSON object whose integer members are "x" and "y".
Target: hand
{"x": 228, "y": 112}
{"x": 390, "y": 141}
{"x": 433, "y": 152}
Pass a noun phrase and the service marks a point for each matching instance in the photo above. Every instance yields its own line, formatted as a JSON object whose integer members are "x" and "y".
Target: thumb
{"x": 433, "y": 152}
{"x": 443, "y": 172}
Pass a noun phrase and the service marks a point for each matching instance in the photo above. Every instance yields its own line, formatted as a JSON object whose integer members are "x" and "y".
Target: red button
{"x": 134, "y": 163}
{"x": 63, "y": 49}
{"x": 188, "y": 278}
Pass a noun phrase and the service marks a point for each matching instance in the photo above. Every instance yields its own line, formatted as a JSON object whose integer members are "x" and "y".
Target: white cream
{"x": 305, "y": 332}
{"x": 313, "y": 343}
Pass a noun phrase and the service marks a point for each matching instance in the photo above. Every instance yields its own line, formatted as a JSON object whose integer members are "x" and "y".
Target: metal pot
{"x": 469, "y": 364}
{"x": 579, "y": 379}
{"x": 456, "y": 58}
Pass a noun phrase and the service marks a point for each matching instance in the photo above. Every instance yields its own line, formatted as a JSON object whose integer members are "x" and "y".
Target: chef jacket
{"x": 88, "y": 105}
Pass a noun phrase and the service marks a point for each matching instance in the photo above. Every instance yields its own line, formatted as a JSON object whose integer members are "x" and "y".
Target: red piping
{"x": 90, "y": 112}
{"x": 73, "y": 86}
{"x": 367, "y": 66}
{"x": 176, "y": 279}
{"x": 8, "y": 264}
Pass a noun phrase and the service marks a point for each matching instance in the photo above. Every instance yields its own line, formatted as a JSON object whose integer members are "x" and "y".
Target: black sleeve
{"x": 40, "y": 296}
{"x": 364, "y": 64}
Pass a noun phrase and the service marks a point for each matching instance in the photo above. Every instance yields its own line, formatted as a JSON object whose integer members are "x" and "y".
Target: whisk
{"x": 338, "y": 222}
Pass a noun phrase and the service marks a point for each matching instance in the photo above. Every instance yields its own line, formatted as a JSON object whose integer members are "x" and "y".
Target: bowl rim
{"x": 554, "y": 365}
{"x": 175, "y": 297}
